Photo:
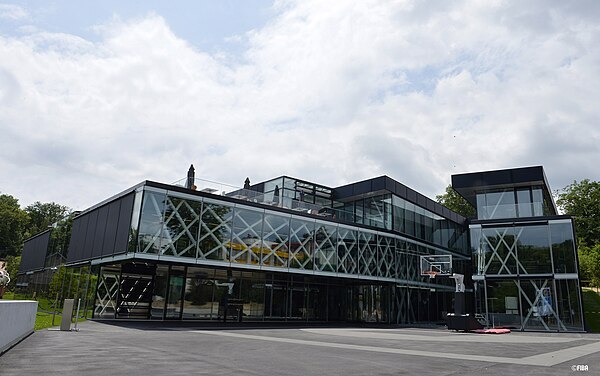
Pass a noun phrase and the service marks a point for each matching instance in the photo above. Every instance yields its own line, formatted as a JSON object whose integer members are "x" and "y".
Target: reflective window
{"x": 386, "y": 250}
{"x": 374, "y": 211}
{"x": 413, "y": 272}
{"x": 215, "y": 231}
{"x": 419, "y": 222}
{"x": 438, "y": 226}
{"x": 478, "y": 256}
{"x": 301, "y": 244}
{"x": 503, "y": 304}
{"x": 270, "y": 185}
{"x": 135, "y": 220}
{"x": 253, "y": 296}
{"x": 400, "y": 262}
{"x": 367, "y": 253}
{"x": 347, "y": 250}
{"x": 569, "y": 306}
{"x": 538, "y": 202}
{"x": 533, "y": 250}
{"x": 498, "y": 250}
{"x": 276, "y": 232}
{"x": 198, "y": 294}
{"x": 359, "y": 211}
{"x": 326, "y": 248}
{"x": 428, "y": 226}
{"x": 289, "y": 183}
{"x": 175, "y": 288}
{"x": 524, "y": 203}
{"x": 323, "y": 201}
{"x": 387, "y": 205}
{"x": 245, "y": 246}
{"x": 398, "y": 213}
{"x": 539, "y": 305}
{"x": 159, "y": 295}
{"x": 482, "y": 208}
{"x": 444, "y": 232}
{"x": 106, "y": 292}
{"x": 409, "y": 218}
{"x": 501, "y": 204}
{"x": 563, "y": 247}
{"x": 152, "y": 231}
{"x": 181, "y": 227}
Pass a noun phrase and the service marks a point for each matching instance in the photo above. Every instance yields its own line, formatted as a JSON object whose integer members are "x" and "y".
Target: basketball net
{"x": 431, "y": 273}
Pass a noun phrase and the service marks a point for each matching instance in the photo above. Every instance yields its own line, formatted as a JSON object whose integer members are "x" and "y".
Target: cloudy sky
{"x": 97, "y": 97}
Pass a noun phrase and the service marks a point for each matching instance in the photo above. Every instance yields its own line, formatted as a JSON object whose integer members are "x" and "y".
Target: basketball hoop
{"x": 430, "y": 273}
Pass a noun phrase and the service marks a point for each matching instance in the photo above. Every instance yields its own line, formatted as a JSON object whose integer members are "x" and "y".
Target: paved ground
{"x": 142, "y": 349}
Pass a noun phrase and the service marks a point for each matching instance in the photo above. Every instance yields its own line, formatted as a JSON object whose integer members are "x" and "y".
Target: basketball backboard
{"x": 436, "y": 265}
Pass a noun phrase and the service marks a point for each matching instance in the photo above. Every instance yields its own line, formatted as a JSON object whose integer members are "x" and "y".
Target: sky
{"x": 96, "y": 97}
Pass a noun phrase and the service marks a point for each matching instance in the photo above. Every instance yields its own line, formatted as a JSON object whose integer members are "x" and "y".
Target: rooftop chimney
{"x": 190, "y": 177}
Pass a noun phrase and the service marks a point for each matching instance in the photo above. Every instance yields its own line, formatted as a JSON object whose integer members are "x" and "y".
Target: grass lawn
{"x": 591, "y": 304}
{"x": 44, "y": 320}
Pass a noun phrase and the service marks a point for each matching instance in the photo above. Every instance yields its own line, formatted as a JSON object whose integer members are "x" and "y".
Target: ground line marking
{"x": 535, "y": 360}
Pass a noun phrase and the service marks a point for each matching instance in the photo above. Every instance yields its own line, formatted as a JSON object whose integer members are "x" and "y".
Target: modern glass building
{"x": 525, "y": 268}
{"x": 283, "y": 250}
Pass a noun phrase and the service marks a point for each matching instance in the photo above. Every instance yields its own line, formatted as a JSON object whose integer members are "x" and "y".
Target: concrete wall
{"x": 17, "y": 319}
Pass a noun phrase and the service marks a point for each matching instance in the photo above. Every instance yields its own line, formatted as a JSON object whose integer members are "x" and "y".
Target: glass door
{"x": 160, "y": 292}
{"x": 175, "y": 293}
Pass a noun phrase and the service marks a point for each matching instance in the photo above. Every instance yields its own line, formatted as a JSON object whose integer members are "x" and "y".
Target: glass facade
{"x": 291, "y": 193}
{"x": 524, "y": 249}
{"x": 524, "y": 256}
{"x": 526, "y": 275}
{"x": 543, "y": 304}
{"x": 514, "y": 203}
{"x": 286, "y": 250}
{"x": 392, "y": 212}
{"x": 289, "y": 261}
{"x": 205, "y": 293}
{"x": 176, "y": 226}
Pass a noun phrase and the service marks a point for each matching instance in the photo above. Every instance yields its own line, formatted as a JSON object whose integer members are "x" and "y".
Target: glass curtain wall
{"x": 179, "y": 227}
{"x": 413, "y": 220}
{"x": 197, "y": 293}
{"x": 538, "y": 288}
{"x": 524, "y": 250}
{"x": 514, "y": 203}
{"x": 289, "y": 192}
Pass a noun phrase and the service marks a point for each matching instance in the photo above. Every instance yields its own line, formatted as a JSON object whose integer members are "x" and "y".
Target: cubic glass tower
{"x": 291, "y": 250}
{"x": 525, "y": 268}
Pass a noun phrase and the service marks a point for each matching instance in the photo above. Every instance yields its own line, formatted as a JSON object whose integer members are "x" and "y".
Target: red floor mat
{"x": 491, "y": 331}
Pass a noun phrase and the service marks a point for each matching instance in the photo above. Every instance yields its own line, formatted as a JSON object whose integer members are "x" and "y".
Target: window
{"x": 524, "y": 203}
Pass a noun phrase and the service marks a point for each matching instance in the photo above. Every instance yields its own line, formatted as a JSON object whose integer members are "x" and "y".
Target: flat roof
{"x": 385, "y": 183}
{"x": 467, "y": 185}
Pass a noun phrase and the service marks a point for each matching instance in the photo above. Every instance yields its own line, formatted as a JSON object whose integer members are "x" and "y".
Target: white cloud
{"x": 12, "y": 12}
{"x": 326, "y": 91}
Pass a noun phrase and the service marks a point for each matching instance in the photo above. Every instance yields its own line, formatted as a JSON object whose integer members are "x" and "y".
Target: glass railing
{"x": 509, "y": 211}
{"x": 443, "y": 237}
{"x": 269, "y": 199}
{"x": 208, "y": 186}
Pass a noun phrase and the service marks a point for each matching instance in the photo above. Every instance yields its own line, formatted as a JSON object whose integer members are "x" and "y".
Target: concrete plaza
{"x": 180, "y": 349}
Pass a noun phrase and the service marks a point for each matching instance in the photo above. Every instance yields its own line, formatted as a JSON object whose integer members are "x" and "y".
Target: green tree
{"x": 582, "y": 201}
{"x": 42, "y": 215}
{"x": 455, "y": 202}
{"x": 13, "y": 222}
{"x": 56, "y": 283}
{"x": 589, "y": 264}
